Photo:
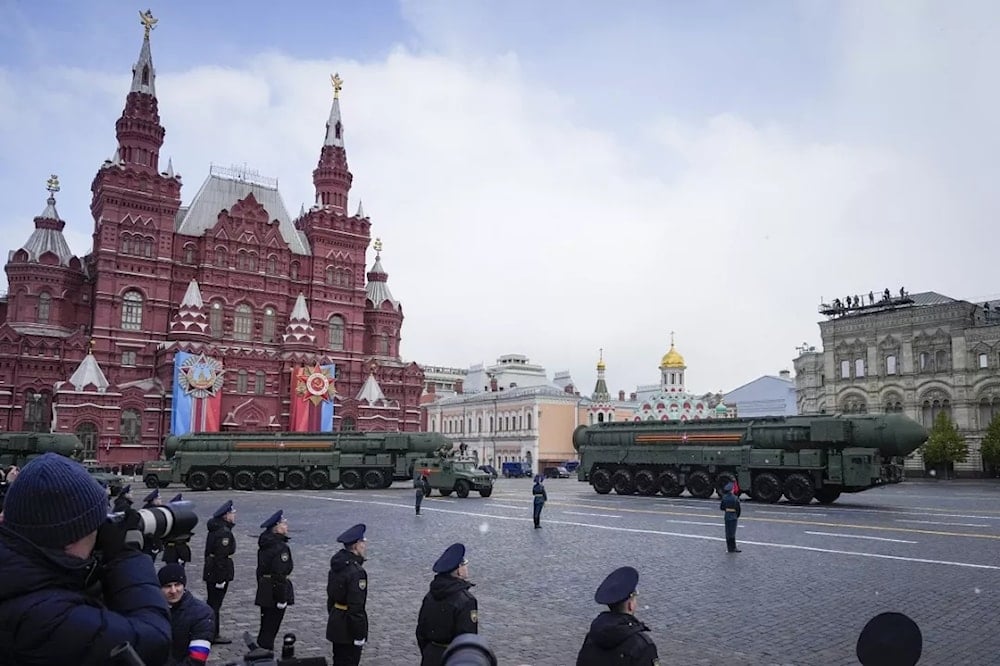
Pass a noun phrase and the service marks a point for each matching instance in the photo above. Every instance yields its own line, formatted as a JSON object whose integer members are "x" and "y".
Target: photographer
{"x": 59, "y": 602}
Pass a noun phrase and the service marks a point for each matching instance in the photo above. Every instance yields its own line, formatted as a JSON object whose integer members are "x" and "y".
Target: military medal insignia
{"x": 474, "y": 615}
{"x": 225, "y": 541}
{"x": 315, "y": 384}
{"x": 362, "y": 584}
{"x": 284, "y": 557}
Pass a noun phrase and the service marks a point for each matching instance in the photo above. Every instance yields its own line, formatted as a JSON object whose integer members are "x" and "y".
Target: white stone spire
{"x": 361, "y": 210}
{"x": 300, "y": 329}
{"x": 190, "y": 319}
{"x": 371, "y": 391}
{"x": 334, "y": 126}
{"x": 143, "y": 74}
{"x": 87, "y": 374}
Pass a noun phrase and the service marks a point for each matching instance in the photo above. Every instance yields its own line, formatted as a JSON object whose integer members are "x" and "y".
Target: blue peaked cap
{"x": 352, "y": 535}
{"x": 179, "y": 497}
{"x": 127, "y": 489}
{"x": 450, "y": 559}
{"x": 273, "y": 520}
{"x": 617, "y": 587}
{"x": 222, "y": 510}
{"x": 152, "y": 496}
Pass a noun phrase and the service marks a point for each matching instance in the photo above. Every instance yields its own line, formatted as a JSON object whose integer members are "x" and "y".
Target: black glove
{"x": 117, "y": 536}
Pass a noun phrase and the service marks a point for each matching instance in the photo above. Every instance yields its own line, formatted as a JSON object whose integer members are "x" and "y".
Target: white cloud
{"x": 510, "y": 228}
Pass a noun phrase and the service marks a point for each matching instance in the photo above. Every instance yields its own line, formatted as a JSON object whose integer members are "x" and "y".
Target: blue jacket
{"x": 539, "y": 492}
{"x": 193, "y": 624}
{"x": 731, "y": 505}
{"x": 52, "y": 613}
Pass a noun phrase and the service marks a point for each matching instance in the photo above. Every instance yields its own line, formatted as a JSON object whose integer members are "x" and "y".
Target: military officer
{"x": 220, "y": 546}
{"x": 176, "y": 551}
{"x": 616, "y": 636}
{"x": 346, "y": 596}
{"x": 124, "y": 499}
{"x": 448, "y": 609}
{"x": 421, "y": 488}
{"x": 540, "y": 497}
{"x": 152, "y": 545}
{"x": 274, "y": 589}
{"x": 730, "y": 504}
{"x": 890, "y": 639}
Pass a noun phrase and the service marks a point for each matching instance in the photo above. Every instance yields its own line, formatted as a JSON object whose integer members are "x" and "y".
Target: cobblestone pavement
{"x": 805, "y": 584}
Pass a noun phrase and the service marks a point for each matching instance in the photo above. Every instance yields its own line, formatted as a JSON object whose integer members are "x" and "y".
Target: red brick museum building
{"x": 87, "y": 343}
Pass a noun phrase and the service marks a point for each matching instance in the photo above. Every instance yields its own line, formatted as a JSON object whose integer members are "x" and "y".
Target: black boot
{"x": 221, "y": 640}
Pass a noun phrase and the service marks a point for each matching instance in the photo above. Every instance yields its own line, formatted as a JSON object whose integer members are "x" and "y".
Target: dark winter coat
{"x": 274, "y": 566}
{"x": 346, "y": 596}
{"x": 193, "y": 626}
{"x": 52, "y": 612}
{"x": 448, "y": 610}
{"x": 176, "y": 552}
{"x": 122, "y": 503}
{"x": 731, "y": 505}
{"x": 540, "y": 496}
{"x": 617, "y": 639}
{"x": 220, "y": 545}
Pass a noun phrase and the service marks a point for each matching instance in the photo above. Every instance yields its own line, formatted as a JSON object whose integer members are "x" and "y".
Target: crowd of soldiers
{"x": 56, "y": 508}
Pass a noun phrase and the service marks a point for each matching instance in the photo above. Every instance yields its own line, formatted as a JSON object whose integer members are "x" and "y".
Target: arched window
{"x": 130, "y": 427}
{"x": 147, "y": 247}
{"x": 259, "y": 383}
{"x": 251, "y": 262}
{"x": 600, "y": 417}
{"x": 855, "y": 405}
{"x": 268, "y": 330}
{"x": 383, "y": 344}
{"x": 347, "y": 424}
{"x": 221, "y": 257}
{"x": 930, "y": 408}
{"x": 37, "y": 413}
{"x": 940, "y": 360}
{"x": 331, "y": 275}
{"x": 336, "y": 332}
{"x": 188, "y": 254}
{"x": 345, "y": 278}
{"x": 272, "y": 265}
{"x": 44, "y": 304}
{"x": 241, "y": 381}
{"x": 126, "y": 244}
{"x": 529, "y": 420}
{"x": 215, "y": 319}
{"x": 293, "y": 270}
{"x": 87, "y": 433}
{"x": 988, "y": 408}
{"x": 132, "y": 311}
{"x": 243, "y": 322}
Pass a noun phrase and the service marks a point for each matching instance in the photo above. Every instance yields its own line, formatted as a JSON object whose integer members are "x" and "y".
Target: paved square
{"x": 805, "y": 584}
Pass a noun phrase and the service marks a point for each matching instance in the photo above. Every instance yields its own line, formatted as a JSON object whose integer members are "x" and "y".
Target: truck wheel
{"x": 766, "y": 488}
{"x": 351, "y": 479}
{"x": 198, "y": 480}
{"x": 267, "y": 479}
{"x": 373, "y": 479}
{"x": 601, "y": 481}
{"x": 220, "y": 480}
{"x": 645, "y": 482}
{"x": 799, "y": 489}
{"x": 295, "y": 479}
{"x": 486, "y": 492}
{"x": 387, "y": 474}
{"x": 670, "y": 484}
{"x": 318, "y": 479}
{"x": 622, "y": 482}
{"x": 445, "y": 492}
{"x": 243, "y": 480}
{"x": 462, "y": 488}
{"x": 699, "y": 485}
{"x": 827, "y": 495}
{"x": 152, "y": 481}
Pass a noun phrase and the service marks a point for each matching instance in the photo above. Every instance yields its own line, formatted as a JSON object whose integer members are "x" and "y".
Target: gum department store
{"x": 87, "y": 343}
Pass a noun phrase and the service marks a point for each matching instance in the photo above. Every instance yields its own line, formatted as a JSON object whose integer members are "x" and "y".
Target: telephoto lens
{"x": 171, "y": 521}
{"x": 468, "y": 650}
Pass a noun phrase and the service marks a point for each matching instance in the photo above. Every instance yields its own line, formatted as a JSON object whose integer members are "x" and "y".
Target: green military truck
{"x": 157, "y": 473}
{"x": 454, "y": 475}
{"x": 105, "y": 476}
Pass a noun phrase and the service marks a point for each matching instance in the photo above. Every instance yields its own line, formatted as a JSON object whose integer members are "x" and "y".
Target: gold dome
{"x": 672, "y": 359}
{"x": 600, "y": 361}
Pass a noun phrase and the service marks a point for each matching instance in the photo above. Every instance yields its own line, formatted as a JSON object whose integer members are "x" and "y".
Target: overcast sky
{"x": 551, "y": 178}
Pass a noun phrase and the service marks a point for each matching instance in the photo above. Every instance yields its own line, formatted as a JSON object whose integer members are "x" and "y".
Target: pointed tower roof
{"x": 332, "y": 178}
{"x": 191, "y": 318}
{"x": 89, "y": 373}
{"x": 377, "y": 288}
{"x": 371, "y": 391}
{"x": 48, "y": 236}
{"x": 300, "y": 329}
{"x": 143, "y": 74}
{"x": 601, "y": 392}
{"x": 361, "y": 211}
{"x": 673, "y": 358}
{"x": 334, "y": 126}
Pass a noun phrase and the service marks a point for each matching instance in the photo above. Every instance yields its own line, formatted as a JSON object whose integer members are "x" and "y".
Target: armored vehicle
{"x": 800, "y": 457}
{"x": 454, "y": 475}
{"x": 297, "y": 460}
{"x": 105, "y": 476}
{"x": 157, "y": 473}
{"x": 17, "y": 448}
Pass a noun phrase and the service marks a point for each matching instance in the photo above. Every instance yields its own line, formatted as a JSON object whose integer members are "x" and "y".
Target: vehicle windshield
{"x": 465, "y": 466}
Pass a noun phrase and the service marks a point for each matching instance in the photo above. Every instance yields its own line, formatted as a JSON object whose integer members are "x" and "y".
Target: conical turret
{"x": 601, "y": 393}
{"x": 191, "y": 321}
{"x": 300, "y": 330}
{"x": 332, "y": 178}
{"x": 140, "y": 134}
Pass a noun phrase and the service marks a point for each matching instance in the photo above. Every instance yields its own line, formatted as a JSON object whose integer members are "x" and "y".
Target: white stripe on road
{"x": 598, "y": 515}
{"x": 507, "y": 506}
{"x": 693, "y": 522}
{"x": 679, "y": 535}
{"x": 931, "y": 522}
{"x": 859, "y": 536}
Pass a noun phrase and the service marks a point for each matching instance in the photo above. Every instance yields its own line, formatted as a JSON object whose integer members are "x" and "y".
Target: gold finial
{"x": 671, "y": 338}
{"x": 338, "y": 83}
{"x": 600, "y": 360}
{"x": 52, "y": 184}
{"x": 377, "y": 245}
{"x": 148, "y": 21}
{"x": 93, "y": 342}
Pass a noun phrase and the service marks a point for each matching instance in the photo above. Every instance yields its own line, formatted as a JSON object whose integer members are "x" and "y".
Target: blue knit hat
{"x": 54, "y": 502}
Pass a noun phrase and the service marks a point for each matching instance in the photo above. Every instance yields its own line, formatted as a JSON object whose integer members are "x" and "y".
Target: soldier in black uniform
{"x": 540, "y": 497}
{"x": 152, "y": 545}
{"x": 219, "y": 571}
{"x": 274, "y": 589}
{"x": 177, "y": 551}
{"x": 124, "y": 499}
{"x": 890, "y": 639}
{"x": 616, "y": 636}
{"x": 730, "y": 504}
{"x": 346, "y": 595}
{"x": 448, "y": 609}
{"x": 422, "y": 488}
